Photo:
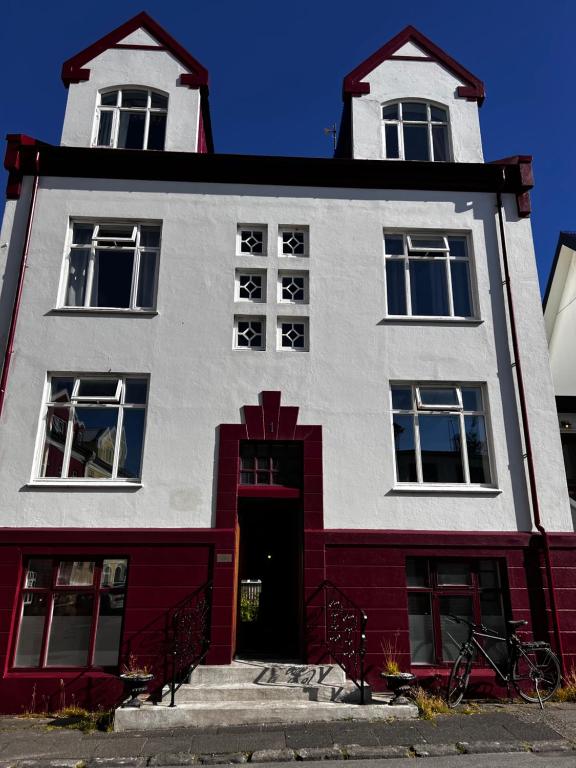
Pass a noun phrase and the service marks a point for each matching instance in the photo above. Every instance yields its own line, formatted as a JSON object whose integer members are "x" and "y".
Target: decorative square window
{"x": 71, "y": 613}
{"x": 439, "y": 588}
{"x": 293, "y": 241}
{"x": 93, "y": 428}
{"x": 250, "y": 285}
{"x": 131, "y": 118}
{"x": 111, "y": 266}
{"x": 292, "y": 287}
{"x": 293, "y": 334}
{"x": 440, "y": 434}
{"x": 249, "y": 332}
{"x": 251, "y": 240}
{"x": 428, "y": 276}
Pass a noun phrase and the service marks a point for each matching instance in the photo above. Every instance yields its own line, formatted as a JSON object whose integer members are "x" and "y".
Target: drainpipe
{"x": 527, "y": 440}
{"x": 18, "y": 298}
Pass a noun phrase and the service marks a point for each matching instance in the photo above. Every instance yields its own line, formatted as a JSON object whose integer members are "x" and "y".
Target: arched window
{"x": 131, "y": 118}
{"x": 415, "y": 130}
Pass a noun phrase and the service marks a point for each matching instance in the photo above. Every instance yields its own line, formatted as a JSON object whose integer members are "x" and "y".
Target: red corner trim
{"x": 522, "y": 165}
{"x": 474, "y": 88}
{"x": 72, "y": 69}
{"x": 13, "y": 162}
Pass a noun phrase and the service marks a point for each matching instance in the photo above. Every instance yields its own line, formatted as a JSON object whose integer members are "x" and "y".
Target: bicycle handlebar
{"x": 473, "y": 627}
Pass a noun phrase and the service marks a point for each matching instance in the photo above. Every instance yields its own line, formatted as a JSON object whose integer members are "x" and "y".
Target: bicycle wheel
{"x": 536, "y": 674}
{"x": 458, "y": 680}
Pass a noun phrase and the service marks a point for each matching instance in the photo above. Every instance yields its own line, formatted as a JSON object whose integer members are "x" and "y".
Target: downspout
{"x": 18, "y": 298}
{"x": 528, "y": 442}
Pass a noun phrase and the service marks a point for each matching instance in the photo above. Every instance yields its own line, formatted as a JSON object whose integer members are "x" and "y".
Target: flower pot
{"x": 399, "y": 684}
{"x": 135, "y": 685}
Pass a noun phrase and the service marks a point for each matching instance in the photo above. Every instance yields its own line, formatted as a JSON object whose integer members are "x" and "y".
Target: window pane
{"x": 77, "y": 271}
{"x": 131, "y": 442}
{"x": 109, "y": 629}
{"x": 412, "y": 110}
{"x": 392, "y": 147}
{"x": 438, "y": 115}
{"x": 61, "y": 389}
{"x": 149, "y": 237}
{"x": 453, "y": 635}
{"x": 404, "y": 448}
{"x": 93, "y": 443}
{"x": 31, "y": 630}
{"x": 421, "y": 632}
{"x": 156, "y": 131}
{"x": 489, "y": 574}
{"x": 457, "y": 246}
{"x": 157, "y": 101}
{"x": 472, "y": 398}
{"x": 440, "y": 443}
{"x": 394, "y": 245}
{"x": 492, "y": 613}
{"x": 440, "y": 142}
{"x": 75, "y": 574}
{"x": 82, "y": 234}
{"x": 416, "y": 572}
{"x": 146, "y": 280}
{"x": 114, "y": 573}
{"x": 53, "y": 456}
{"x": 109, "y": 99}
{"x": 461, "y": 288}
{"x": 105, "y": 128}
{"x": 70, "y": 629}
{"x": 416, "y": 142}
{"x": 428, "y": 288}
{"x": 136, "y": 391}
{"x": 477, "y": 447}
{"x": 97, "y": 388}
{"x": 396, "y": 286}
{"x": 115, "y": 231}
{"x": 454, "y": 573}
{"x": 427, "y": 243}
{"x": 390, "y": 112}
{"x": 135, "y": 99}
{"x": 402, "y": 398}
{"x": 439, "y": 396}
{"x": 112, "y": 281}
{"x": 131, "y": 130}
{"x": 39, "y": 574}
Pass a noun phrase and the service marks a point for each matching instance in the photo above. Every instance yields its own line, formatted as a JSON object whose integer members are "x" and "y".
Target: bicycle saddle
{"x": 520, "y": 623}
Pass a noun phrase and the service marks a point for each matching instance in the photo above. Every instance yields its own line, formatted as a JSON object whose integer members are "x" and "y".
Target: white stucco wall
{"x": 198, "y": 381}
{"x": 125, "y": 67}
{"x": 423, "y": 81}
{"x": 561, "y": 322}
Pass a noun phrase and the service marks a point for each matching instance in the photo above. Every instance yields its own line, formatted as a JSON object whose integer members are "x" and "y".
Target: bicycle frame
{"x": 511, "y": 650}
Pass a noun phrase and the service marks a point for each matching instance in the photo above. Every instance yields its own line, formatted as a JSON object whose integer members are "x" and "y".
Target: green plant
{"x": 390, "y": 652}
{"x": 429, "y": 705}
{"x": 80, "y": 719}
{"x": 248, "y": 609}
{"x": 567, "y": 692}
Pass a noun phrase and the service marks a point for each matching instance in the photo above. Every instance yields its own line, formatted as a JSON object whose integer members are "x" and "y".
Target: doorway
{"x": 270, "y": 579}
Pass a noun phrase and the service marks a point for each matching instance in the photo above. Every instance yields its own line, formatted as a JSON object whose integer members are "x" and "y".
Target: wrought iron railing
{"x": 190, "y": 636}
{"x": 345, "y": 637}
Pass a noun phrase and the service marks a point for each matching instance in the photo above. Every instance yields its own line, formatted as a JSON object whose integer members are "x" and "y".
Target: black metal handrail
{"x": 345, "y": 636}
{"x": 190, "y": 636}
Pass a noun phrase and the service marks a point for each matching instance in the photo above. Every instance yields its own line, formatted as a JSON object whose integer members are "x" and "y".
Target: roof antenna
{"x": 332, "y": 130}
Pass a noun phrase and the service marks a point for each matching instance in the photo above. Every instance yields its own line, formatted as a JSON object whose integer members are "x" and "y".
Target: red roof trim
{"x": 72, "y": 69}
{"x": 474, "y": 88}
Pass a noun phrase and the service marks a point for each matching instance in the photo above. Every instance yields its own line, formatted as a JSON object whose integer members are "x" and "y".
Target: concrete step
{"x": 201, "y": 715}
{"x": 262, "y": 672}
{"x": 347, "y": 692}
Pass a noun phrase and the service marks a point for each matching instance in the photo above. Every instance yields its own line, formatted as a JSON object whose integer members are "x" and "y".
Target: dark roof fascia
{"x": 473, "y": 90}
{"x": 81, "y": 162}
{"x": 73, "y": 69}
{"x": 569, "y": 240}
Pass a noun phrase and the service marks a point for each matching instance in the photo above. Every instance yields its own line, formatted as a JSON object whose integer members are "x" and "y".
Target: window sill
{"x": 81, "y": 483}
{"x": 431, "y": 320}
{"x": 102, "y": 311}
{"x": 456, "y": 489}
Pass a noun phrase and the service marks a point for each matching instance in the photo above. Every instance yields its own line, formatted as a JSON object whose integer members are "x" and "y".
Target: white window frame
{"x": 443, "y": 254}
{"x": 400, "y": 122}
{"x": 117, "y": 109}
{"x": 102, "y": 243}
{"x": 262, "y": 229}
{"x": 302, "y": 229}
{"x": 456, "y": 410}
{"x": 241, "y": 272}
{"x": 301, "y": 320}
{"x": 282, "y": 273}
{"x": 250, "y": 319}
{"x": 117, "y": 403}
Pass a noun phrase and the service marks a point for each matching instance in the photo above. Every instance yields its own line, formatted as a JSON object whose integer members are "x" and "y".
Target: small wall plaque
{"x": 224, "y": 557}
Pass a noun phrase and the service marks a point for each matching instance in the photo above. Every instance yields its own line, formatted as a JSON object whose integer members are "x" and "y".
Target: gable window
{"x": 71, "y": 614}
{"x": 93, "y": 428}
{"x": 439, "y": 588}
{"x": 131, "y": 118}
{"x": 415, "y": 130}
{"x": 112, "y": 266}
{"x": 440, "y": 434}
{"x": 428, "y": 275}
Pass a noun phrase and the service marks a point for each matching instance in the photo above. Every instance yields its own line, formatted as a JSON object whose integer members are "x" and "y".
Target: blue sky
{"x": 276, "y": 73}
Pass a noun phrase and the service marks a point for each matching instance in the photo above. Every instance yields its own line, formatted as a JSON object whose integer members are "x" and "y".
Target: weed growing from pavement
{"x": 429, "y": 705}
{"x": 567, "y": 692}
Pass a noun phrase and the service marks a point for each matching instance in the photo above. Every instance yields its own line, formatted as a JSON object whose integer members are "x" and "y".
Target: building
{"x": 266, "y": 372}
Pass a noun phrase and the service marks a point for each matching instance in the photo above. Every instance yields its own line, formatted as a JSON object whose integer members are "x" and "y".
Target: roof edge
{"x": 569, "y": 240}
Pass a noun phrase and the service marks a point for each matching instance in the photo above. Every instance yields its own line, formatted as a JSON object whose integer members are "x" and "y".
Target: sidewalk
{"x": 497, "y": 728}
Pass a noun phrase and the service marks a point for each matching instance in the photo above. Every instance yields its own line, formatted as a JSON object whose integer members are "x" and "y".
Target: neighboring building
{"x": 560, "y": 320}
{"x": 267, "y": 372}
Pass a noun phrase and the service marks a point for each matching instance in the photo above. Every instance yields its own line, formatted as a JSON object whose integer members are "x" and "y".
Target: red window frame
{"x": 95, "y": 589}
{"x": 436, "y": 591}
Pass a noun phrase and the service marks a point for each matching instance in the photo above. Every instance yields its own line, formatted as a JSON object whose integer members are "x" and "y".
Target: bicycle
{"x": 532, "y": 667}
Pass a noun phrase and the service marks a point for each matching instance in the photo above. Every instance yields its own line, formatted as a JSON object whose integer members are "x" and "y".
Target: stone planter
{"x": 135, "y": 685}
{"x": 399, "y": 685}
